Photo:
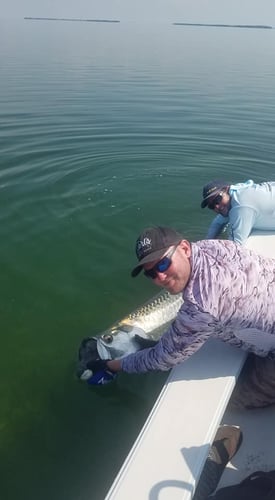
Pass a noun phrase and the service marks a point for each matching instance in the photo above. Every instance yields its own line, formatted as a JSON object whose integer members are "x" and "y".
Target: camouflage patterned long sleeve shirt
{"x": 230, "y": 296}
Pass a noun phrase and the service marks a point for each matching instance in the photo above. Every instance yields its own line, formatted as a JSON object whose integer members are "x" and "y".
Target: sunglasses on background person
{"x": 216, "y": 201}
{"x": 161, "y": 266}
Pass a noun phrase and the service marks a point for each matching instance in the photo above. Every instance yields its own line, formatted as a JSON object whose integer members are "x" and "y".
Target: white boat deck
{"x": 168, "y": 456}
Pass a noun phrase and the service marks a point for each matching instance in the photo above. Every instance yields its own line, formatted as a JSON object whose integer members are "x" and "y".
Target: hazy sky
{"x": 205, "y": 11}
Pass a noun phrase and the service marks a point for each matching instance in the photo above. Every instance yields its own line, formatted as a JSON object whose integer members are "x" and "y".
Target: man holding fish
{"x": 228, "y": 292}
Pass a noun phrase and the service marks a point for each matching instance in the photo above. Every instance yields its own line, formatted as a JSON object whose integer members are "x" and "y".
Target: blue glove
{"x": 98, "y": 373}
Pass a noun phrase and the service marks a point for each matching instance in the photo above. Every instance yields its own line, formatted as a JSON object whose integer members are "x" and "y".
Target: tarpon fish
{"x": 139, "y": 330}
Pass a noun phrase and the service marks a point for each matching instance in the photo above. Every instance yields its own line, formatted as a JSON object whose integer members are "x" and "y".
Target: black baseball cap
{"x": 152, "y": 243}
{"x": 210, "y": 189}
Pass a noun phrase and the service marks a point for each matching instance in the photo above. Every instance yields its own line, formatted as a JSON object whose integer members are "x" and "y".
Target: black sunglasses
{"x": 161, "y": 266}
{"x": 216, "y": 201}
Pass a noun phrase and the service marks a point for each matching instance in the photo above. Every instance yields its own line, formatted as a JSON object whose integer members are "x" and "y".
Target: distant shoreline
{"x": 72, "y": 19}
{"x": 255, "y": 26}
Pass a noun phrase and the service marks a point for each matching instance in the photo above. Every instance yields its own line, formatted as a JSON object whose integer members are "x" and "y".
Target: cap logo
{"x": 143, "y": 246}
{"x": 211, "y": 190}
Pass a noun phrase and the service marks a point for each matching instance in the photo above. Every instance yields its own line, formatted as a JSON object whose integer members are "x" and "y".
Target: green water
{"x": 104, "y": 129}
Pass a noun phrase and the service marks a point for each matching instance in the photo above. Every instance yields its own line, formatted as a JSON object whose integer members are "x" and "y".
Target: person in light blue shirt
{"x": 243, "y": 207}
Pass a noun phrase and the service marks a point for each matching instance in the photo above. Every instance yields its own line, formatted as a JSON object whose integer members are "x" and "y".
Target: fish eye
{"x": 107, "y": 338}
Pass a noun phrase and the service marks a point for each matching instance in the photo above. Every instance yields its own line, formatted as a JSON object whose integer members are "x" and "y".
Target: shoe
{"x": 227, "y": 441}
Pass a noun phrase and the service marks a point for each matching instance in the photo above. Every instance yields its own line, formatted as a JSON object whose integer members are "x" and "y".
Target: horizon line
{"x": 217, "y": 25}
{"x": 72, "y": 19}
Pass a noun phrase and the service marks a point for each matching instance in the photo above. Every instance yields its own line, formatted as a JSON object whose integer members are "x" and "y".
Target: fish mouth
{"x": 87, "y": 353}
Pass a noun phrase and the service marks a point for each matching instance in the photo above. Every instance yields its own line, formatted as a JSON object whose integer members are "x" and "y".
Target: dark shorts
{"x": 255, "y": 387}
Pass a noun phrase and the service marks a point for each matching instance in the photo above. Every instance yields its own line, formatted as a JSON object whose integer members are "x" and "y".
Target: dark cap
{"x": 210, "y": 189}
{"x": 152, "y": 243}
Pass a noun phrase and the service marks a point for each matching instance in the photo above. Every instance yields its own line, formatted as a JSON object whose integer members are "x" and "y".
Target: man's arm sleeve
{"x": 216, "y": 227}
{"x": 185, "y": 336}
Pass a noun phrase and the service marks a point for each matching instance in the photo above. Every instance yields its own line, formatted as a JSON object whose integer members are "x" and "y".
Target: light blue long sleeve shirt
{"x": 252, "y": 207}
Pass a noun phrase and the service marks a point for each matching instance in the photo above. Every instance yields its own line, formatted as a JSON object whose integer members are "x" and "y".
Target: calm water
{"x": 104, "y": 129}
